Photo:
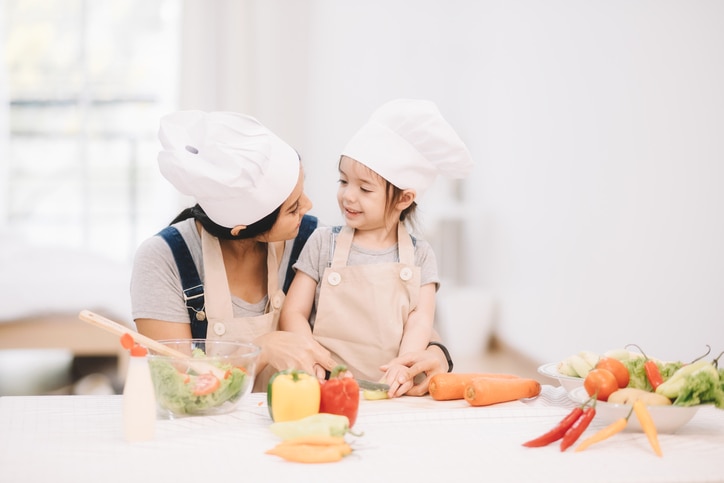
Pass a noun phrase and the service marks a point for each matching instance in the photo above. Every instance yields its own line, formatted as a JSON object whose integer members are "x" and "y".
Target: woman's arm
{"x": 159, "y": 329}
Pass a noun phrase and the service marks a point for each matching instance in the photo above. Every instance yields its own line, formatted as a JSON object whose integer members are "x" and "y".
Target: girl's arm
{"x": 416, "y": 337}
{"x": 297, "y": 307}
{"x": 418, "y": 329}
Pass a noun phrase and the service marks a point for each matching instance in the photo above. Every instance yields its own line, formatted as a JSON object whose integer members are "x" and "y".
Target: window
{"x": 87, "y": 82}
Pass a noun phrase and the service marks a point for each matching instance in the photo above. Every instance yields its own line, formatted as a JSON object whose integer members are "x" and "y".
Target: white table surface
{"x": 79, "y": 439}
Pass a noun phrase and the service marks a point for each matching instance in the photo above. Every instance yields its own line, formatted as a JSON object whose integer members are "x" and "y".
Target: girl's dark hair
{"x": 256, "y": 228}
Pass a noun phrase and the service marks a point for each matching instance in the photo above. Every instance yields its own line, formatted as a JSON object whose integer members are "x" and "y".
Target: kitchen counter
{"x": 79, "y": 439}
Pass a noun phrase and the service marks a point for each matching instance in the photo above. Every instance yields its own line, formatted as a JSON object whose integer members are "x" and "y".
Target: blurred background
{"x": 594, "y": 217}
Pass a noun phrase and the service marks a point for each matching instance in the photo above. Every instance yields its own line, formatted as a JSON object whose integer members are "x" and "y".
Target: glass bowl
{"x": 212, "y": 379}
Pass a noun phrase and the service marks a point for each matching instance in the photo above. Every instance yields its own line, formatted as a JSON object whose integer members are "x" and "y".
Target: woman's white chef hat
{"x": 409, "y": 143}
{"x": 235, "y": 168}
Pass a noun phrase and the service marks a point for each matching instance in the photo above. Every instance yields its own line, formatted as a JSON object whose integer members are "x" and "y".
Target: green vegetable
{"x": 174, "y": 389}
{"x": 692, "y": 384}
{"x": 320, "y": 424}
{"x": 637, "y": 372}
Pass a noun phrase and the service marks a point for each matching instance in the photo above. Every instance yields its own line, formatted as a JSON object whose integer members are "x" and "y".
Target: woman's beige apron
{"x": 222, "y": 325}
{"x": 363, "y": 308}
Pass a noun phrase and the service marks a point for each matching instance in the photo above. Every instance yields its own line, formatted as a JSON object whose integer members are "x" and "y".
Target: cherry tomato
{"x": 205, "y": 384}
{"x": 617, "y": 368}
{"x": 601, "y": 382}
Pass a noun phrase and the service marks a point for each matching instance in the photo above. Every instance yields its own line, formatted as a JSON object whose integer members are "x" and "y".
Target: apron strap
{"x": 342, "y": 243}
{"x": 309, "y": 223}
{"x": 193, "y": 289}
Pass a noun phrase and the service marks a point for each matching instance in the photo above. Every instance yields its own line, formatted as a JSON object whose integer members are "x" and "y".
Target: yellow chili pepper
{"x": 613, "y": 428}
{"x": 647, "y": 424}
{"x": 292, "y": 395}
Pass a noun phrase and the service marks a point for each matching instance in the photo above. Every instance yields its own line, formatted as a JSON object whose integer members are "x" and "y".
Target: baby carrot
{"x": 484, "y": 391}
{"x": 307, "y": 453}
{"x": 451, "y": 385}
{"x": 312, "y": 449}
{"x": 613, "y": 428}
{"x": 314, "y": 440}
{"x": 647, "y": 424}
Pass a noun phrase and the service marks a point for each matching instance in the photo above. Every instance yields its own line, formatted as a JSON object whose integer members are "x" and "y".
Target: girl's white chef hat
{"x": 409, "y": 143}
{"x": 237, "y": 169}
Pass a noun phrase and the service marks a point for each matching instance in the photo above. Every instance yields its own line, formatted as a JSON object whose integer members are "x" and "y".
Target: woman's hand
{"x": 428, "y": 362}
{"x": 285, "y": 350}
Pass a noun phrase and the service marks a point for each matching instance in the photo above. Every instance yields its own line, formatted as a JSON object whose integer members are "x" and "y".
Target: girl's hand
{"x": 399, "y": 378}
{"x": 428, "y": 362}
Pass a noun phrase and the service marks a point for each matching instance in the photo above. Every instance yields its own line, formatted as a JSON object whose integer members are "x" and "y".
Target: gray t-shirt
{"x": 316, "y": 256}
{"x": 156, "y": 291}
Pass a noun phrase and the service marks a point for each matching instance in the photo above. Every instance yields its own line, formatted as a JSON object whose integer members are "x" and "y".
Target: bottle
{"x": 139, "y": 399}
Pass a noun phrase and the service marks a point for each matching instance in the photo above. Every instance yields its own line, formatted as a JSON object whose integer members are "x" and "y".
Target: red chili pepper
{"x": 340, "y": 395}
{"x": 558, "y": 431}
{"x": 577, "y": 429}
{"x": 652, "y": 370}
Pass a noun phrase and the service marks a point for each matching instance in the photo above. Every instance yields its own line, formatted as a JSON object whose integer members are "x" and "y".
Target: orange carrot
{"x": 450, "y": 385}
{"x": 484, "y": 391}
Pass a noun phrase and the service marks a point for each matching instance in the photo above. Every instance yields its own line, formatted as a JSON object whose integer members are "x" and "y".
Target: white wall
{"x": 595, "y": 214}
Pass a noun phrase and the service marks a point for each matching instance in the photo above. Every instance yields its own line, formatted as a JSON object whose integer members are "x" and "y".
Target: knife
{"x": 372, "y": 386}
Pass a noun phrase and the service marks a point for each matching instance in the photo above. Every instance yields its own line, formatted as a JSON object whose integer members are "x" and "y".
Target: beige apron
{"x": 222, "y": 325}
{"x": 363, "y": 308}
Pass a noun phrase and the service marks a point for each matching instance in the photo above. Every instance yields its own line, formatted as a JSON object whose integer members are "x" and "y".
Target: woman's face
{"x": 290, "y": 216}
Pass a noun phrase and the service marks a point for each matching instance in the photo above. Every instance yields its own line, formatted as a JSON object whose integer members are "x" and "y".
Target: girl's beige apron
{"x": 222, "y": 325}
{"x": 363, "y": 308}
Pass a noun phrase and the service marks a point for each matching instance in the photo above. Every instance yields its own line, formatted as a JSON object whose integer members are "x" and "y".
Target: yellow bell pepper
{"x": 292, "y": 395}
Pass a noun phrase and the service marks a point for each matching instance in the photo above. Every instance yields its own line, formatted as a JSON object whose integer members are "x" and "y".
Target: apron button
{"x": 334, "y": 278}
{"x": 277, "y": 301}
{"x": 219, "y": 328}
{"x": 406, "y": 274}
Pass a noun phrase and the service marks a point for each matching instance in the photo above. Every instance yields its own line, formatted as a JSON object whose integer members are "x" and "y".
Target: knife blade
{"x": 372, "y": 386}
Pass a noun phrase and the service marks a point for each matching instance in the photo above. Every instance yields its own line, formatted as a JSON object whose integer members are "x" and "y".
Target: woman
{"x": 239, "y": 239}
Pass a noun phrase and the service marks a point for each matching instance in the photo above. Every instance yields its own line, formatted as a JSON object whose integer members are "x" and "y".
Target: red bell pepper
{"x": 340, "y": 395}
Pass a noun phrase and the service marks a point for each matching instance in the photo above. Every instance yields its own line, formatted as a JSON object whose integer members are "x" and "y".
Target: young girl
{"x": 368, "y": 289}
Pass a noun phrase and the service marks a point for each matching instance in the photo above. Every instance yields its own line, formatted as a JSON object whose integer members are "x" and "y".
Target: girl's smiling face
{"x": 362, "y": 196}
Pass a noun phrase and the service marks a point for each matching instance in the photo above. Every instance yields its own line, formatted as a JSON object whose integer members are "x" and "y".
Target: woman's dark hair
{"x": 256, "y": 228}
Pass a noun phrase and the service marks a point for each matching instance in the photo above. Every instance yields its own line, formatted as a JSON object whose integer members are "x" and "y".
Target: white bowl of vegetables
{"x": 208, "y": 377}
{"x": 671, "y": 403}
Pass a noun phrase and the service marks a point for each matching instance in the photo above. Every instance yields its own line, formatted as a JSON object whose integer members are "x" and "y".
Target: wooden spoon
{"x": 119, "y": 329}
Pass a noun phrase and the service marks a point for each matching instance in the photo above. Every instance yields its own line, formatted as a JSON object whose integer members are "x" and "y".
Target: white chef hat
{"x": 409, "y": 143}
{"x": 238, "y": 170}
